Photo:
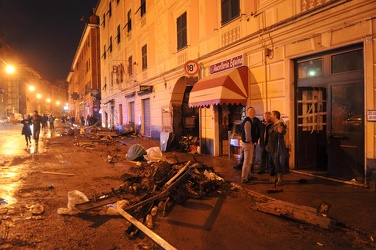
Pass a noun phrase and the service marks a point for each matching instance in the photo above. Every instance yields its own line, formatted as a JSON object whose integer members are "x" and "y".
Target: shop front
{"x": 220, "y": 98}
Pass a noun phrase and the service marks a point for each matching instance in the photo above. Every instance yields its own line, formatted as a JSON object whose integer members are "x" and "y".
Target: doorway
{"x": 329, "y": 109}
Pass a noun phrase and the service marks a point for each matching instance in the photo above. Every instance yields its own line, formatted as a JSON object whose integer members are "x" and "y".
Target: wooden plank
{"x": 56, "y": 173}
{"x": 296, "y": 212}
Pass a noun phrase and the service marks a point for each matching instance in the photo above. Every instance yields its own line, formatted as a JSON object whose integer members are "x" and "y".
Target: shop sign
{"x": 146, "y": 88}
{"x": 227, "y": 64}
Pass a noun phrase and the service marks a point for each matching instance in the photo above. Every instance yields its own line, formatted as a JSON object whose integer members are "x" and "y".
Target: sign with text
{"x": 191, "y": 67}
{"x": 371, "y": 115}
{"x": 230, "y": 63}
{"x": 146, "y": 88}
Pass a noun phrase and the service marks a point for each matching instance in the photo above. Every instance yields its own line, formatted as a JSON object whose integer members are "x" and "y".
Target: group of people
{"x": 269, "y": 134}
{"x": 90, "y": 120}
{"x": 36, "y": 122}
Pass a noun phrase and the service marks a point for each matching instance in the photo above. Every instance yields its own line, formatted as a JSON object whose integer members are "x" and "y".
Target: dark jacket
{"x": 264, "y": 135}
{"x": 26, "y": 130}
{"x": 254, "y": 129}
{"x": 37, "y": 120}
{"x": 276, "y": 141}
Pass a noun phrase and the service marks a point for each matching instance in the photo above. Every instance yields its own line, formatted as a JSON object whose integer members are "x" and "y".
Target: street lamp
{"x": 9, "y": 69}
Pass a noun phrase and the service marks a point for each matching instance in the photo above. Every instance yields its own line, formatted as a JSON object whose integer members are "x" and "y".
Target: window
{"x": 129, "y": 24}
{"x": 104, "y": 20}
{"x": 110, "y": 46}
{"x": 118, "y": 34}
{"x": 311, "y": 68}
{"x": 117, "y": 2}
{"x": 347, "y": 61}
{"x": 230, "y": 10}
{"x": 144, "y": 57}
{"x": 130, "y": 66}
{"x": 181, "y": 26}
{"x": 104, "y": 51}
{"x": 143, "y": 7}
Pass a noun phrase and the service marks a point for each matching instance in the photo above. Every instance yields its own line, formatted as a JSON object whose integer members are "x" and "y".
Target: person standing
{"x": 37, "y": 121}
{"x": 88, "y": 120}
{"x": 264, "y": 127}
{"x": 249, "y": 140}
{"x": 276, "y": 147}
{"x": 255, "y": 135}
{"x": 26, "y": 129}
{"x": 82, "y": 120}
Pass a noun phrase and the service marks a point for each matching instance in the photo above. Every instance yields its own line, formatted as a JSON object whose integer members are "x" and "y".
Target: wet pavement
{"x": 351, "y": 206}
{"x": 13, "y": 152}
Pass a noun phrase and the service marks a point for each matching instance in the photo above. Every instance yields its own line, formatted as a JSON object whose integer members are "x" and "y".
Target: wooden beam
{"x": 296, "y": 212}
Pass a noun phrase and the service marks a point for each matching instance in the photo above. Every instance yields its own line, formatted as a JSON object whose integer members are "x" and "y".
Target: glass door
{"x": 346, "y": 132}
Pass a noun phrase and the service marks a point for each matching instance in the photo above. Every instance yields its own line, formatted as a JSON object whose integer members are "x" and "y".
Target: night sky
{"x": 45, "y": 33}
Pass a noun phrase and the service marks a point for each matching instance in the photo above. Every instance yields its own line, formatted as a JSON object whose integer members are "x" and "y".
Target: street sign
{"x": 191, "y": 67}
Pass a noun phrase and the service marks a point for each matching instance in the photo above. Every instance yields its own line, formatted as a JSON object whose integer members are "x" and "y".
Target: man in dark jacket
{"x": 36, "y": 120}
{"x": 264, "y": 127}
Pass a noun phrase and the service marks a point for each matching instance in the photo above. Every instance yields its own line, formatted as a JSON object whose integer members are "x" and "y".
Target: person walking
{"x": 44, "y": 122}
{"x": 276, "y": 147}
{"x": 26, "y": 129}
{"x": 249, "y": 140}
{"x": 51, "y": 120}
{"x": 264, "y": 127}
{"x": 37, "y": 121}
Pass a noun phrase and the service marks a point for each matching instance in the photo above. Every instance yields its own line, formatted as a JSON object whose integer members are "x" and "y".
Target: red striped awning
{"x": 229, "y": 87}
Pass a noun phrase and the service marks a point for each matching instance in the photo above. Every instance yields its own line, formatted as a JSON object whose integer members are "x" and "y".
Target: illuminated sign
{"x": 227, "y": 64}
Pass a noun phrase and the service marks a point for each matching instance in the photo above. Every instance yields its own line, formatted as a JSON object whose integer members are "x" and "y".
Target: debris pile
{"x": 148, "y": 189}
{"x": 189, "y": 144}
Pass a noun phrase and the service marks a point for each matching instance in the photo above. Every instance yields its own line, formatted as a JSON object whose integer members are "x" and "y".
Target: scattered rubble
{"x": 149, "y": 189}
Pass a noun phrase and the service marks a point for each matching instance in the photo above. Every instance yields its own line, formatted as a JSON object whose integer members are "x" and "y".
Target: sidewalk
{"x": 351, "y": 206}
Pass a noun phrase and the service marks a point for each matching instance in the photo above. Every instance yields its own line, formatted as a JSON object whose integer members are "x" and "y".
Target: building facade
{"x": 191, "y": 67}
{"x": 84, "y": 81}
{"x": 24, "y": 90}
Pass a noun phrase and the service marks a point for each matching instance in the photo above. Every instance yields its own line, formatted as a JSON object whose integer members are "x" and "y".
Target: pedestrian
{"x": 264, "y": 127}
{"x": 37, "y": 121}
{"x": 88, "y": 121}
{"x": 249, "y": 140}
{"x": 276, "y": 147}
{"x": 26, "y": 129}
{"x": 44, "y": 121}
{"x": 255, "y": 135}
{"x": 71, "y": 120}
{"x": 82, "y": 120}
{"x": 51, "y": 120}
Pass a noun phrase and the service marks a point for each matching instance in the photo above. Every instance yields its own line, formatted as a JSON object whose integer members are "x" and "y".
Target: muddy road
{"x": 34, "y": 184}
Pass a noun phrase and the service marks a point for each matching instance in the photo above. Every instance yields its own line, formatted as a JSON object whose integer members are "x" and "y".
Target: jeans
{"x": 248, "y": 150}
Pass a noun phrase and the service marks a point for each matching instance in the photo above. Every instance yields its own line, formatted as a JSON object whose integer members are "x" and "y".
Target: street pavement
{"x": 351, "y": 206}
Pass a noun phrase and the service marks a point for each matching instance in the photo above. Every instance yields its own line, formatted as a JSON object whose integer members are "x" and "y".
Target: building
{"x": 84, "y": 78}
{"x": 191, "y": 67}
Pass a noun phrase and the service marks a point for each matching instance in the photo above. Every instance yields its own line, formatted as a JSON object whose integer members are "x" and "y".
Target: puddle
{"x": 10, "y": 183}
